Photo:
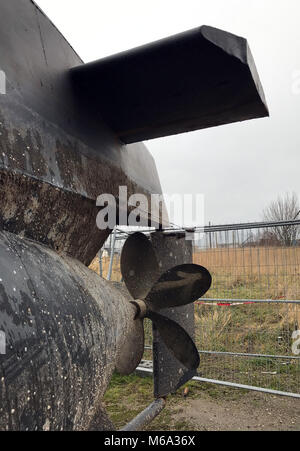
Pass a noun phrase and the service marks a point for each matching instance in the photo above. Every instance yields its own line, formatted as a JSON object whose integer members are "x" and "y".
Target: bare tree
{"x": 285, "y": 208}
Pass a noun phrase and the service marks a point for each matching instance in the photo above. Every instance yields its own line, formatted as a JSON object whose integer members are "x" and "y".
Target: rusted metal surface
{"x": 43, "y": 151}
{"x": 146, "y": 417}
{"x": 169, "y": 374}
{"x": 39, "y": 211}
{"x": 46, "y": 137}
{"x": 63, "y": 338}
{"x": 36, "y": 172}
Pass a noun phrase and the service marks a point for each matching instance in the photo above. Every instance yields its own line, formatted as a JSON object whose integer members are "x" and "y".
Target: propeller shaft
{"x": 141, "y": 309}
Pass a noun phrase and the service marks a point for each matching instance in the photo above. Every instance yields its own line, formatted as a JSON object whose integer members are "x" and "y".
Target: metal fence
{"x": 248, "y": 327}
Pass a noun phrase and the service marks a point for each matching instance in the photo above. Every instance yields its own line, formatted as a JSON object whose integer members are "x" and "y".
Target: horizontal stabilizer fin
{"x": 198, "y": 79}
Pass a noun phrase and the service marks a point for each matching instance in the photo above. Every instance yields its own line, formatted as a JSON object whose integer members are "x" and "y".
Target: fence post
{"x": 112, "y": 254}
{"x": 2, "y": 83}
{"x": 100, "y": 263}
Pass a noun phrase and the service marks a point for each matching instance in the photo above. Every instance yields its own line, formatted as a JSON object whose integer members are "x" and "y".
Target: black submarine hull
{"x": 65, "y": 328}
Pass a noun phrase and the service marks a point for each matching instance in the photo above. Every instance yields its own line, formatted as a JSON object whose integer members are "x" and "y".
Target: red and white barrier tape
{"x": 224, "y": 304}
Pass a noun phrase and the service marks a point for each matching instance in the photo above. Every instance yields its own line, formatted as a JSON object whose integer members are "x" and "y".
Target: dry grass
{"x": 253, "y": 273}
{"x": 116, "y": 273}
{"x": 251, "y": 260}
{"x": 248, "y": 273}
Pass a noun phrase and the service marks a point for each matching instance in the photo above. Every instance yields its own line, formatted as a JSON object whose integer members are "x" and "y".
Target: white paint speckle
{"x": 46, "y": 426}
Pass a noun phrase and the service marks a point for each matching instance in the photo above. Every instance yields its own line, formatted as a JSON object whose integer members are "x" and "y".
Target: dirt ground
{"x": 252, "y": 412}
{"x": 207, "y": 407}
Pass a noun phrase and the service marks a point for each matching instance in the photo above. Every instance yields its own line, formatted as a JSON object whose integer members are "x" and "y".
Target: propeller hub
{"x": 141, "y": 309}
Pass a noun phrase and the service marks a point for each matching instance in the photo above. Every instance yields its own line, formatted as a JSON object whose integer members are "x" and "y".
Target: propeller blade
{"x": 139, "y": 265}
{"x": 177, "y": 340}
{"x": 179, "y": 286}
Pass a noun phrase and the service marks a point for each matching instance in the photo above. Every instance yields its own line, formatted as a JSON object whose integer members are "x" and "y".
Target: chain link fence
{"x": 247, "y": 329}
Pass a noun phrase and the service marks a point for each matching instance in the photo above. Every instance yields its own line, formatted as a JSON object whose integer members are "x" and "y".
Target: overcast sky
{"x": 241, "y": 167}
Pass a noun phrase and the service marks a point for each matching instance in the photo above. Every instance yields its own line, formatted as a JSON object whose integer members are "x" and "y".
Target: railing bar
{"x": 247, "y": 387}
{"x": 247, "y": 301}
{"x": 232, "y": 384}
{"x": 242, "y": 354}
